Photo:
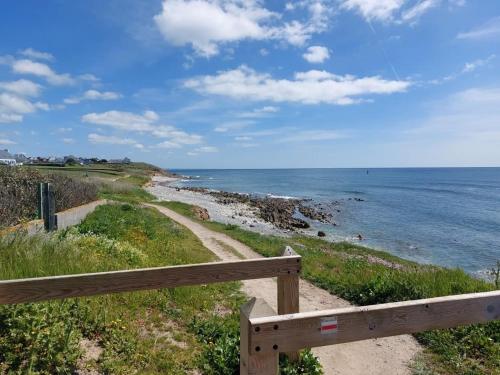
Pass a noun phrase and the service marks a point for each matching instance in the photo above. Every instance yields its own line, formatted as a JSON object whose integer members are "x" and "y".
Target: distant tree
{"x": 70, "y": 161}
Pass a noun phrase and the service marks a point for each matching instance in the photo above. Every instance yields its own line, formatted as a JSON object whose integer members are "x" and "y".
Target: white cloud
{"x": 415, "y": 12}
{"x": 64, "y": 130}
{"x": 168, "y": 145}
{"x": 12, "y": 107}
{"x": 37, "y": 55}
{"x": 208, "y": 149}
{"x": 206, "y": 24}
{"x": 381, "y": 10}
{"x": 68, "y": 141}
{"x": 177, "y": 136}
{"x": 316, "y": 54}
{"x": 490, "y": 29}
{"x": 145, "y": 123}
{"x": 471, "y": 66}
{"x": 22, "y": 87}
{"x": 312, "y": 87}
{"x": 89, "y": 77}
{"x": 249, "y": 145}
{"x": 6, "y": 142}
{"x": 260, "y": 112}
{"x": 94, "y": 95}
{"x": 468, "y": 67}
{"x": 98, "y": 138}
{"x": 390, "y": 10}
{"x": 26, "y": 66}
{"x": 312, "y": 135}
{"x": 242, "y": 138}
{"x": 232, "y": 125}
{"x": 7, "y": 118}
{"x": 123, "y": 120}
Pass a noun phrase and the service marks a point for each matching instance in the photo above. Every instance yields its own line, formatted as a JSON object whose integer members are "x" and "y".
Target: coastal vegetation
{"x": 73, "y": 186}
{"x": 173, "y": 331}
{"x": 365, "y": 276}
{"x": 195, "y": 328}
{"x": 18, "y": 193}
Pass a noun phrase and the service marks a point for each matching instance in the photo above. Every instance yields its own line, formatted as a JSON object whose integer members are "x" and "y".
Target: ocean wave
{"x": 288, "y": 197}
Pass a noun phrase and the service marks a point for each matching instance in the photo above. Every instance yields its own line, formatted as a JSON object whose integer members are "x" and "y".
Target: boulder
{"x": 321, "y": 234}
{"x": 201, "y": 213}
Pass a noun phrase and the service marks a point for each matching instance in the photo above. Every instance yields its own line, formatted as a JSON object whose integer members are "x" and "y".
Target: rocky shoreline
{"x": 280, "y": 212}
{"x": 268, "y": 215}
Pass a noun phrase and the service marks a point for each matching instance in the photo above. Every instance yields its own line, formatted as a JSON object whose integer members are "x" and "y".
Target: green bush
{"x": 18, "y": 193}
{"x": 221, "y": 352}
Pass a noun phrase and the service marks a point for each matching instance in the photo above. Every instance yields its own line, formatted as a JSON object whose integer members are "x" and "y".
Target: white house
{"x": 6, "y": 158}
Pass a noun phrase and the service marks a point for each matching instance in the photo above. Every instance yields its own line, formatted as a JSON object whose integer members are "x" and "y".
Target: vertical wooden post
{"x": 48, "y": 206}
{"x": 266, "y": 362}
{"x": 39, "y": 211}
{"x": 288, "y": 296}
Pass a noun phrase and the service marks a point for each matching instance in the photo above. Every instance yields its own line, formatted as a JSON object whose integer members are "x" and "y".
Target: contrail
{"x": 379, "y": 42}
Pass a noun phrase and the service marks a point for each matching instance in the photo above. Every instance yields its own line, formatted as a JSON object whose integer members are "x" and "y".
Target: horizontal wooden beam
{"x": 47, "y": 288}
{"x": 311, "y": 329}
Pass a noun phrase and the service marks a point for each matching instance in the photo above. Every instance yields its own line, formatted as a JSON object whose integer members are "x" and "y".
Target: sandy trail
{"x": 377, "y": 356}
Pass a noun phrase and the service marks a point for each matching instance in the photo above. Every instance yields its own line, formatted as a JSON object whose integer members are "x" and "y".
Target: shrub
{"x": 18, "y": 193}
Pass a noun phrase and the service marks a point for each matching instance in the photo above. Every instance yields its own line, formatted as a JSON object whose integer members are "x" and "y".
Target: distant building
{"x": 120, "y": 161}
{"x": 21, "y": 158}
{"x": 6, "y": 158}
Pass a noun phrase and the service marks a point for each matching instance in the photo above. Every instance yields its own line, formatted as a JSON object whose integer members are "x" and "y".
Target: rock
{"x": 201, "y": 213}
{"x": 360, "y": 237}
{"x": 321, "y": 234}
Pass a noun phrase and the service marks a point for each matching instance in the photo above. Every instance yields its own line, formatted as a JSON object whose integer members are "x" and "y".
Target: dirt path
{"x": 378, "y": 356}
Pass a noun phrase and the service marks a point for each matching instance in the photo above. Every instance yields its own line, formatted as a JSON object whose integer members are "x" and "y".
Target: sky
{"x": 253, "y": 84}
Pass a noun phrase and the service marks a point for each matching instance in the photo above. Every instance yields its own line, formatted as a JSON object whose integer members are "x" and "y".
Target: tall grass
{"x": 138, "y": 332}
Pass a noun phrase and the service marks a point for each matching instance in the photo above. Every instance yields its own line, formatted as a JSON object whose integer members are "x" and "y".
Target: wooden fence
{"x": 263, "y": 333}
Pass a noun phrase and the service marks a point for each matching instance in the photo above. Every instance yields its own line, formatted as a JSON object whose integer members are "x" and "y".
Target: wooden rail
{"x": 292, "y": 332}
{"x": 56, "y": 287}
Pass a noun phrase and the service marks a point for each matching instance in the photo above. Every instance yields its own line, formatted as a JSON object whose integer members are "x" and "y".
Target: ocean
{"x": 444, "y": 216}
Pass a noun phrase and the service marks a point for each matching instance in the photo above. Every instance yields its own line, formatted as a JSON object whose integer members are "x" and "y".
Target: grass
{"x": 174, "y": 331}
{"x": 145, "y": 332}
{"x": 365, "y": 276}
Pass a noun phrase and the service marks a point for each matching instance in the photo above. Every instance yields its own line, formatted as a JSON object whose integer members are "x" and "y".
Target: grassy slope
{"x": 365, "y": 276}
{"x": 149, "y": 332}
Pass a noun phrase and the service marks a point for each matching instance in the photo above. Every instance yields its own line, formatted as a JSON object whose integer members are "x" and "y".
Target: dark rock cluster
{"x": 278, "y": 211}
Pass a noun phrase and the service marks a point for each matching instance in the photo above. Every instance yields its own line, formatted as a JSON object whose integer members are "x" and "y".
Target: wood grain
{"x": 265, "y": 360}
{"x": 288, "y": 296}
{"x": 297, "y": 331}
{"x": 47, "y": 288}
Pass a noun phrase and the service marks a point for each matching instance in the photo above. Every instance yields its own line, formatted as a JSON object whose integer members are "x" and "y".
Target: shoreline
{"x": 235, "y": 213}
{"x": 248, "y": 217}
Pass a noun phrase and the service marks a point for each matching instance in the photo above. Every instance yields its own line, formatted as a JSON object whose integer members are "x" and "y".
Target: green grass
{"x": 173, "y": 331}
{"x": 365, "y": 276}
{"x": 145, "y": 332}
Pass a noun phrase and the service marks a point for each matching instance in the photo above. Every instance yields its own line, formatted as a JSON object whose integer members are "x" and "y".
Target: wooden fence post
{"x": 288, "y": 296}
{"x": 47, "y": 206}
{"x": 39, "y": 211}
{"x": 265, "y": 362}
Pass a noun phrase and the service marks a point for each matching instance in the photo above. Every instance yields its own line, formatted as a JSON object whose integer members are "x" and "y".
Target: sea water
{"x": 444, "y": 216}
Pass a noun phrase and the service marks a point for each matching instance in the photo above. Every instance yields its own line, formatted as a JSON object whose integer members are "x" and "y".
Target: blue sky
{"x": 253, "y": 84}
